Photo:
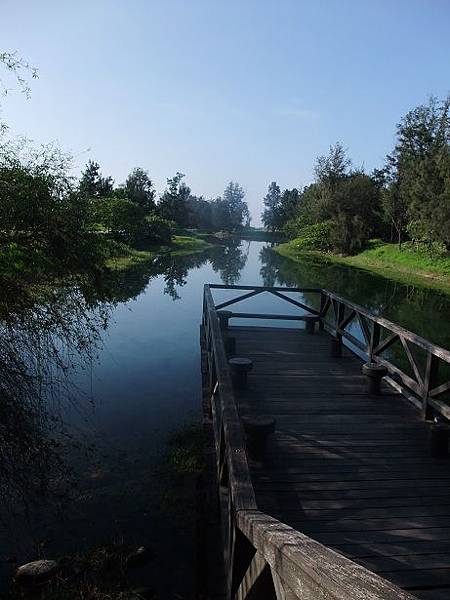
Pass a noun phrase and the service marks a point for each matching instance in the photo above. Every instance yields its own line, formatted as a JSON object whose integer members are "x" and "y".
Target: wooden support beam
{"x": 239, "y": 299}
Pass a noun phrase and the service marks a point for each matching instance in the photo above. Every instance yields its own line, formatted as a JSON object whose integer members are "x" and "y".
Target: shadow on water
{"x": 421, "y": 310}
{"x": 95, "y": 376}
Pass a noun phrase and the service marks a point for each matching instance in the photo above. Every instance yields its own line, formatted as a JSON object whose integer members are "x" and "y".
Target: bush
{"x": 158, "y": 230}
{"x": 314, "y": 237}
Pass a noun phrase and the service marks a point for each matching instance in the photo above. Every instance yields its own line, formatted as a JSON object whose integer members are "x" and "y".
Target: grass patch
{"x": 407, "y": 265}
{"x": 124, "y": 257}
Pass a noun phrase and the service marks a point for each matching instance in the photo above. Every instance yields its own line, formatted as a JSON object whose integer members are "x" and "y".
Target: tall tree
{"x": 173, "y": 202}
{"x": 332, "y": 168}
{"x": 93, "y": 184}
{"x": 139, "y": 189}
{"x": 418, "y": 172}
{"x": 239, "y": 215}
{"x": 272, "y": 206}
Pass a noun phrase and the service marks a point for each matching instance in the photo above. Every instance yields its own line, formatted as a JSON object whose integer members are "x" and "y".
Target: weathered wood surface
{"x": 349, "y": 470}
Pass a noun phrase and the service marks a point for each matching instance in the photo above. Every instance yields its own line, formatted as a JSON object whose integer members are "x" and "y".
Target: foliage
{"x": 42, "y": 217}
{"x": 19, "y": 68}
{"x": 227, "y": 213}
{"x": 348, "y": 200}
{"x": 158, "y": 230}
{"x": 355, "y": 213}
{"x": 272, "y": 203}
{"x": 93, "y": 184}
{"x": 408, "y": 198}
{"x": 418, "y": 172}
{"x": 314, "y": 237}
{"x": 173, "y": 202}
{"x": 139, "y": 189}
{"x": 230, "y": 213}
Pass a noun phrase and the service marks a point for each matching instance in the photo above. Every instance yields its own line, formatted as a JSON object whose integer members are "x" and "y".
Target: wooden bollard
{"x": 439, "y": 440}
{"x": 257, "y": 430}
{"x": 230, "y": 345}
{"x": 335, "y": 347}
{"x": 374, "y": 373}
{"x": 310, "y": 324}
{"x": 240, "y": 368}
{"x": 224, "y": 316}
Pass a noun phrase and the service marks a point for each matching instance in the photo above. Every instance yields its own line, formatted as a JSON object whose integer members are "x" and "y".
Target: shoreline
{"x": 383, "y": 260}
{"x": 180, "y": 246}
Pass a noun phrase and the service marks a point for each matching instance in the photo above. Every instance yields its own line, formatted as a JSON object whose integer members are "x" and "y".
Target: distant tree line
{"x": 408, "y": 199}
{"x": 54, "y": 223}
{"x": 132, "y": 213}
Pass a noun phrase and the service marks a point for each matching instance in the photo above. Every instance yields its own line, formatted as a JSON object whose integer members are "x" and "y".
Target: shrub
{"x": 314, "y": 237}
{"x": 158, "y": 230}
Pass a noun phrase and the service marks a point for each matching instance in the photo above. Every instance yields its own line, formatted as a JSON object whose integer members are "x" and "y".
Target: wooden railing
{"x": 265, "y": 558}
{"x": 425, "y": 385}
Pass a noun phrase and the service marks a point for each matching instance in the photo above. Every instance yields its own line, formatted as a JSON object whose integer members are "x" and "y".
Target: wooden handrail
{"x": 398, "y": 329}
{"x": 309, "y": 570}
{"x": 243, "y": 496}
{"x": 256, "y": 544}
{"x": 423, "y": 388}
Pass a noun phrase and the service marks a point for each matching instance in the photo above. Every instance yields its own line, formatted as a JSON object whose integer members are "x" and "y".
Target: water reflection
{"x": 64, "y": 418}
{"x": 421, "y": 310}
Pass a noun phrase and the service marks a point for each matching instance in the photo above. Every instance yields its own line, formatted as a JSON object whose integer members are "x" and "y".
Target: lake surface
{"x": 143, "y": 381}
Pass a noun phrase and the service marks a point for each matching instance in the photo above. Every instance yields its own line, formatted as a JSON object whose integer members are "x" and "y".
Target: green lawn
{"x": 181, "y": 245}
{"x": 407, "y": 264}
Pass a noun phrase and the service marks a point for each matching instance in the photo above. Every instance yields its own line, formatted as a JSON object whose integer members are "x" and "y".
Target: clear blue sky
{"x": 249, "y": 90}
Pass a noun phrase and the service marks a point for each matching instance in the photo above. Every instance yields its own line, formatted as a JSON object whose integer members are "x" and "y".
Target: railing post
{"x": 374, "y": 339}
{"x": 336, "y": 341}
{"x": 430, "y": 381}
{"x": 323, "y": 299}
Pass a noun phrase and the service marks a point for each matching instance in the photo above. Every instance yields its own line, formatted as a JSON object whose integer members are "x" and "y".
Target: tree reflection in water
{"x": 43, "y": 339}
{"x": 229, "y": 260}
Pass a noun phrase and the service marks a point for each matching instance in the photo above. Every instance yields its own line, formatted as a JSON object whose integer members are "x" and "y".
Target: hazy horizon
{"x": 250, "y": 92}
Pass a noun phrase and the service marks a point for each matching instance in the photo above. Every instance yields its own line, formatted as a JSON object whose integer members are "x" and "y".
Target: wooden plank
{"x": 313, "y": 515}
{"x": 386, "y": 536}
{"x": 366, "y": 525}
{"x": 401, "y": 548}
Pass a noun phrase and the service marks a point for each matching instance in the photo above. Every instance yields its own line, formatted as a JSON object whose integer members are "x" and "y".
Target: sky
{"x": 244, "y": 90}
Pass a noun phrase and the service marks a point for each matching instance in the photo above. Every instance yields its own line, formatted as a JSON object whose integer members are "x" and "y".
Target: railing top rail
{"x": 310, "y": 569}
{"x": 239, "y": 473}
{"x": 438, "y": 351}
{"x": 398, "y": 329}
{"x": 220, "y": 286}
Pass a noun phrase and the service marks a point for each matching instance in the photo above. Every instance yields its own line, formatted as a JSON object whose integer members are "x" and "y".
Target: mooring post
{"x": 439, "y": 440}
{"x": 240, "y": 368}
{"x": 374, "y": 373}
{"x": 224, "y": 316}
{"x": 257, "y": 430}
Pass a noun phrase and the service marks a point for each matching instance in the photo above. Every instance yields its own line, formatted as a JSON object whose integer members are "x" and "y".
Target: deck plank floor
{"x": 350, "y": 470}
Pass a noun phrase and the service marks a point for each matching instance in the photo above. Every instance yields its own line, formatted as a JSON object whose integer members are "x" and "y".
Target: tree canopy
{"x": 409, "y": 198}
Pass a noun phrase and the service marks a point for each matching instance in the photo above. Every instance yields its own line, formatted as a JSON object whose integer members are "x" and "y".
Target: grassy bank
{"x": 180, "y": 246}
{"x": 407, "y": 265}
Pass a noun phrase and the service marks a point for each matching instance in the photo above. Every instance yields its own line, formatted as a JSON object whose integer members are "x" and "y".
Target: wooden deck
{"x": 347, "y": 502}
{"x": 349, "y": 470}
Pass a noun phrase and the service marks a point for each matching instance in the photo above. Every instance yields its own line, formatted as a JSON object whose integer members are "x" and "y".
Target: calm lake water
{"x": 144, "y": 381}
